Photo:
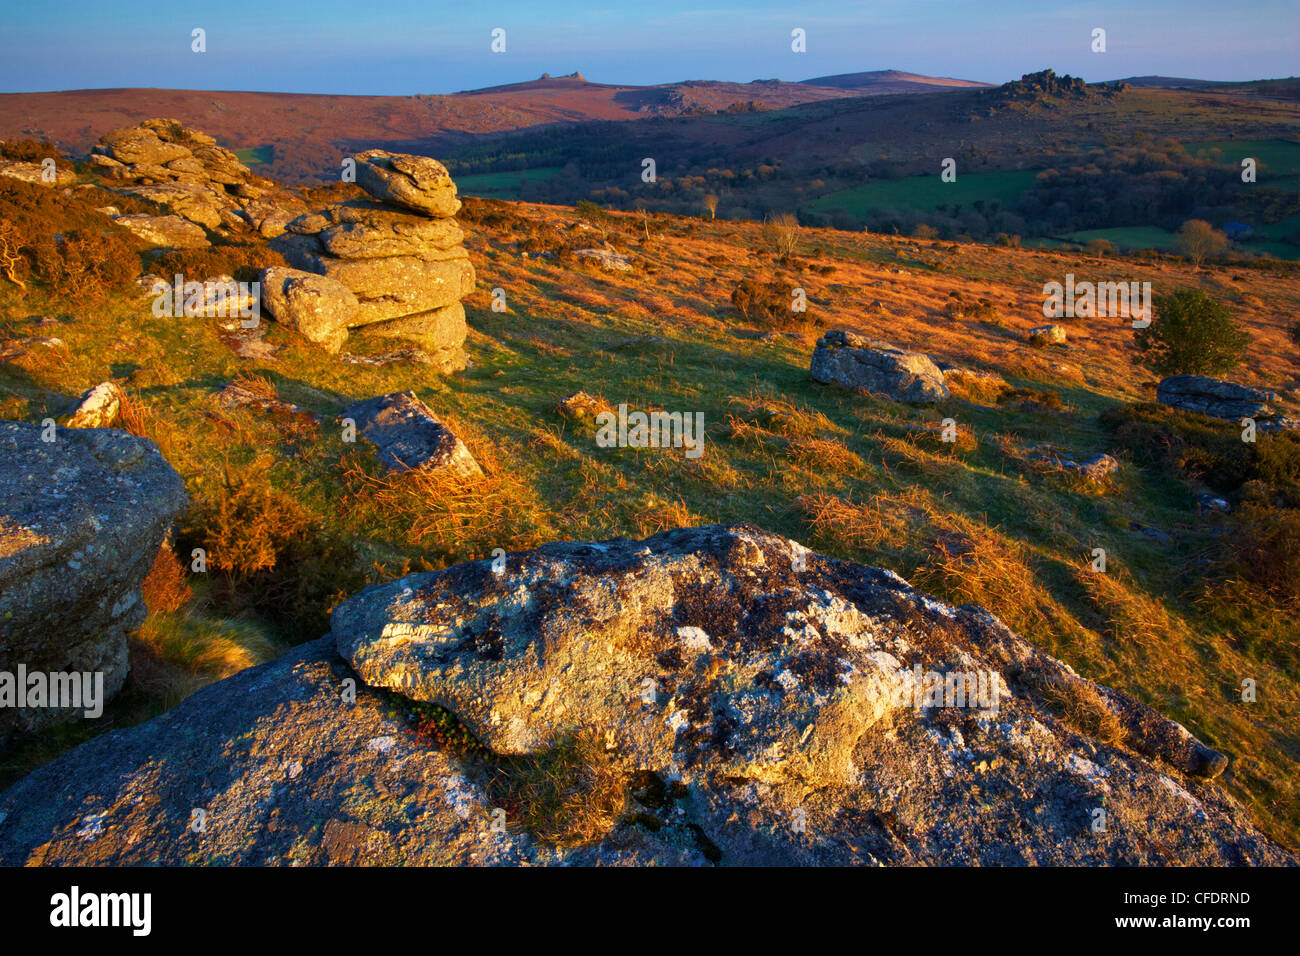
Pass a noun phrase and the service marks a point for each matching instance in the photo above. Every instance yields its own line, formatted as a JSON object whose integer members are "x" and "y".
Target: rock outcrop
{"x": 400, "y": 253}
{"x": 408, "y": 437}
{"x": 166, "y": 162}
{"x": 854, "y": 361}
{"x": 81, "y": 520}
{"x": 1217, "y": 398}
{"x": 767, "y": 705}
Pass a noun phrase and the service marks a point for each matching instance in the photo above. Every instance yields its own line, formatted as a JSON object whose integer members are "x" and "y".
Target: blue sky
{"x": 405, "y": 46}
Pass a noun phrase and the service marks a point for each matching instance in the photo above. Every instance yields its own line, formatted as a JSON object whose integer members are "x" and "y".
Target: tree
{"x": 711, "y": 204}
{"x": 1191, "y": 334}
{"x": 1199, "y": 239}
{"x": 10, "y": 260}
{"x": 1100, "y": 247}
{"x": 781, "y": 232}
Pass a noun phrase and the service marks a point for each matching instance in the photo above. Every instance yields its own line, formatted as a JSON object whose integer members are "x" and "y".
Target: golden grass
{"x": 571, "y": 794}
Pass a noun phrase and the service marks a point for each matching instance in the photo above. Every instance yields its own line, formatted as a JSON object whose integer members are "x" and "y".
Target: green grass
{"x": 502, "y": 185}
{"x": 1128, "y": 237}
{"x": 255, "y": 155}
{"x": 927, "y": 193}
{"x": 1277, "y": 157}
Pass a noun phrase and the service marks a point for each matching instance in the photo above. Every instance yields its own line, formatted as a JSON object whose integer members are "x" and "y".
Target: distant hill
{"x": 309, "y": 133}
{"x": 1166, "y": 82}
{"x": 890, "y": 81}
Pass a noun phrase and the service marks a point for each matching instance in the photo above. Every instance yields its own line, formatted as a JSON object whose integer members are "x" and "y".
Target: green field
{"x": 1128, "y": 237}
{"x": 502, "y": 185}
{"x": 927, "y": 193}
{"x": 255, "y": 155}
{"x": 1277, "y": 157}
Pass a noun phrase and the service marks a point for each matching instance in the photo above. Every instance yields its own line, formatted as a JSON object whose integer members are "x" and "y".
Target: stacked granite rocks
{"x": 399, "y": 253}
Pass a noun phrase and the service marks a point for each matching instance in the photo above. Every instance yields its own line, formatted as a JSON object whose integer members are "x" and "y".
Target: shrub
{"x": 781, "y": 232}
{"x": 766, "y": 303}
{"x": 268, "y": 555}
{"x": 28, "y": 150}
{"x": 1191, "y": 333}
{"x": 85, "y": 265}
{"x": 244, "y": 261}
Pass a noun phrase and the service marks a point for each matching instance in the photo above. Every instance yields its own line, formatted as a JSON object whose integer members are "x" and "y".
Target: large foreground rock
{"x": 758, "y": 698}
{"x": 854, "y": 361}
{"x": 81, "y": 520}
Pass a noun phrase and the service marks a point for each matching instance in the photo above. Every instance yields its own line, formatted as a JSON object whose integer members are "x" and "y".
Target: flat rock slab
{"x": 81, "y": 520}
{"x": 854, "y": 361}
{"x": 1215, "y": 397}
{"x": 165, "y": 231}
{"x": 409, "y": 437}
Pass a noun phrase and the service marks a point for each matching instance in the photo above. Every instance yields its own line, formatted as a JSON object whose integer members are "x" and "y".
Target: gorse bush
{"x": 1191, "y": 334}
{"x": 767, "y": 303}
{"x": 243, "y": 260}
{"x": 84, "y": 266}
{"x": 28, "y": 150}
{"x": 267, "y": 555}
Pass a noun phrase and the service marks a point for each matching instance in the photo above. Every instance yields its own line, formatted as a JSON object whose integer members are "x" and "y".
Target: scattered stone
{"x": 1216, "y": 398}
{"x": 408, "y": 436}
{"x": 854, "y": 361}
{"x": 1047, "y": 335}
{"x": 240, "y": 395}
{"x": 99, "y": 407}
{"x": 81, "y": 520}
{"x": 316, "y": 307}
{"x": 581, "y": 405}
{"x": 167, "y": 231}
{"x": 607, "y": 259}
{"x": 152, "y": 286}
{"x": 410, "y": 354}
{"x": 17, "y": 351}
{"x": 1154, "y": 533}
{"x": 1206, "y": 502}
{"x": 1095, "y": 468}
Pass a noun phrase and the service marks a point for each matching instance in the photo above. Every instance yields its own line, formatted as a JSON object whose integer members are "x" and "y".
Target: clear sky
{"x": 433, "y": 46}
